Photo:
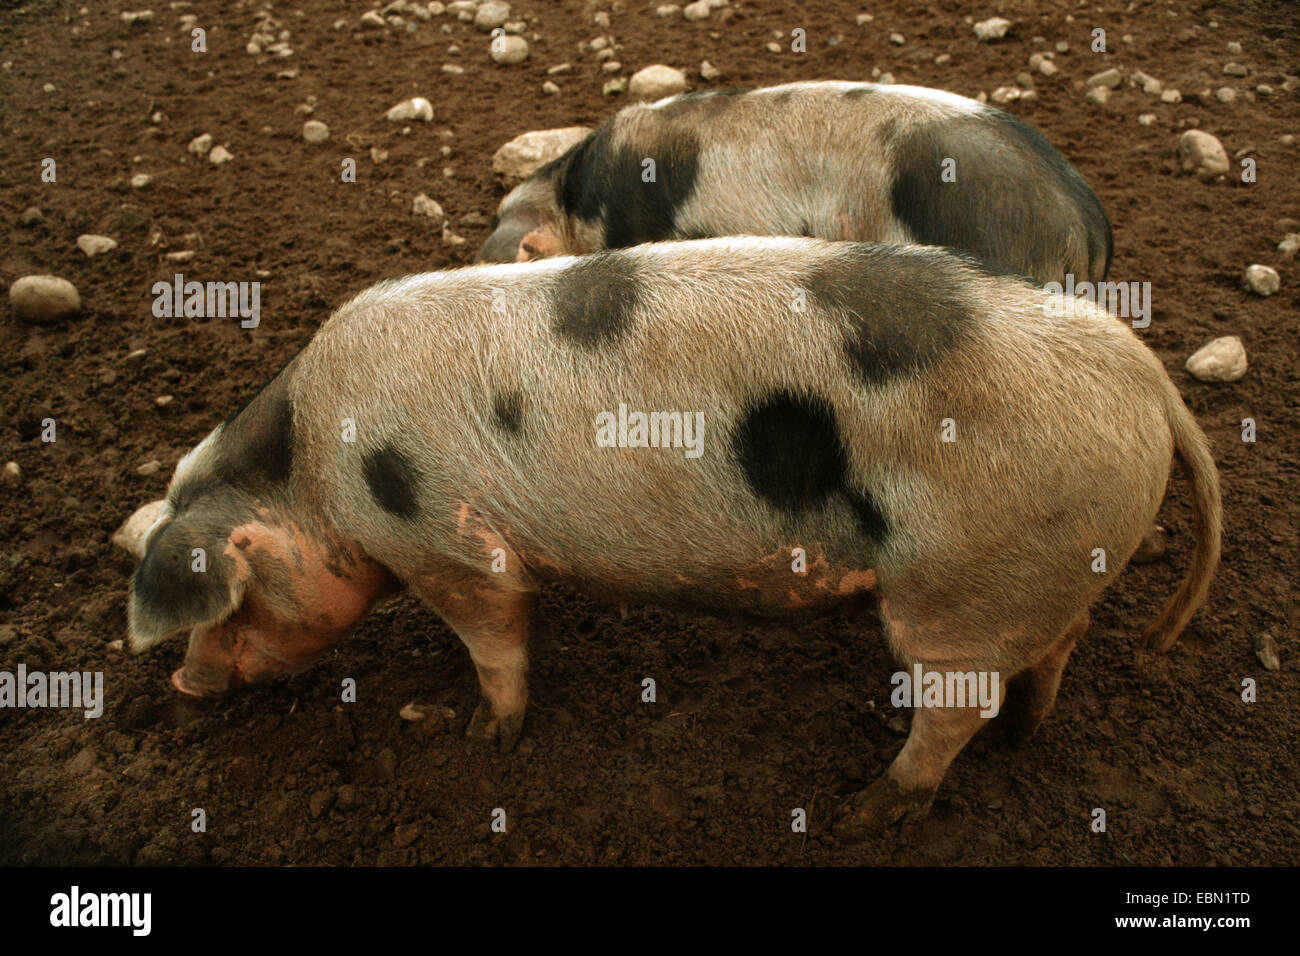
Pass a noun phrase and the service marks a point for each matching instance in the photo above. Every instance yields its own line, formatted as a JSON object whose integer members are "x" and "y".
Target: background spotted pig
{"x": 831, "y": 160}
{"x": 823, "y": 372}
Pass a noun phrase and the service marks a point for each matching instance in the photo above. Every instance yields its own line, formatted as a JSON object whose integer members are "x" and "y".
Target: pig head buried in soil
{"x": 833, "y": 160}
{"x": 823, "y": 374}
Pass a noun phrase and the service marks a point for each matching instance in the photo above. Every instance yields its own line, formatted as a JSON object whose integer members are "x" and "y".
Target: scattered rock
{"x": 994, "y": 28}
{"x": 490, "y": 15}
{"x": 220, "y": 155}
{"x": 136, "y": 17}
{"x": 550, "y": 88}
{"x": 1171, "y": 95}
{"x": 617, "y": 85}
{"x": 149, "y": 468}
{"x": 11, "y": 474}
{"x": 708, "y": 71}
{"x": 1148, "y": 119}
{"x": 1261, "y": 280}
{"x": 1234, "y": 48}
{"x": 656, "y": 82}
{"x": 200, "y": 145}
{"x": 1048, "y": 68}
{"x": 1005, "y": 94}
{"x": 1289, "y": 245}
{"x": 416, "y": 108}
{"x": 1202, "y": 154}
{"x": 315, "y": 132}
{"x": 527, "y": 152}
{"x": 1234, "y": 69}
{"x": 1266, "y": 652}
{"x": 424, "y": 206}
{"x": 44, "y": 299}
{"x": 8, "y": 634}
{"x": 508, "y": 50}
{"x": 371, "y": 20}
{"x": 1110, "y": 79}
{"x": 897, "y": 39}
{"x": 31, "y": 216}
{"x": 93, "y": 245}
{"x": 1097, "y": 95}
{"x": 1223, "y": 360}
{"x": 696, "y": 11}
{"x": 411, "y": 713}
{"x": 1225, "y": 94}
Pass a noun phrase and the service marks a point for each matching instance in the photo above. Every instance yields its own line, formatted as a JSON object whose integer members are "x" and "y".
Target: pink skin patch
{"x": 301, "y": 598}
{"x": 540, "y": 243}
{"x": 820, "y": 583}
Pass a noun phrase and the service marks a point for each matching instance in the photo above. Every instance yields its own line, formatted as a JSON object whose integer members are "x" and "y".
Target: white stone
{"x": 656, "y": 82}
{"x": 994, "y": 28}
{"x": 200, "y": 145}
{"x": 695, "y": 11}
{"x": 424, "y": 206}
{"x": 314, "y": 131}
{"x": 508, "y": 50}
{"x": 93, "y": 245}
{"x": 416, "y": 108}
{"x": 44, "y": 299}
{"x": 1202, "y": 154}
{"x": 523, "y": 155}
{"x": 1261, "y": 280}
{"x": 490, "y": 15}
{"x": 220, "y": 155}
{"x": 1223, "y": 360}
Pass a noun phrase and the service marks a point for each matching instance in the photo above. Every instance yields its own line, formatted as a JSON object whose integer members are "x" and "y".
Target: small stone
{"x": 1202, "y": 154}
{"x": 1062, "y": 46}
{"x": 1234, "y": 48}
{"x": 1266, "y": 652}
{"x": 93, "y": 245}
{"x": 1222, "y": 360}
{"x": 611, "y": 66}
{"x": 315, "y": 132}
{"x": 1005, "y": 94}
{"x": 424, "y": 206}
{"x": 149, "y": 468}
{"x": 1289, "y": 245}
{"x": 180, "y": 256}
{"x": 617, "y": 85}
{"x": 1148, "y": 119}
{"x": 549, "y": 88}
{"x": 773, "y": 48}
{"x": 994, "y": 28}
{"x": 11, "y": 474}
{"x": 897, "y": 39}
{"x": 454, "y": 69}
{"x": 8, "y": 634}
{"x": 411, "y": 713}
{"x": 1048, "y": 68}
{"x": 136, "y": 17}
{"x": 201, "y": 144}
{"x": 490, "y": 15}
{"x": 31, "y": 216}
{"x": 1098, "y": 95}
{"x": 140, "y": 180}
{"x": 601, "y": 19}
{"x": 44, "y": 299}
{"x": 598, "y": 44}
{"x": 416, "y": 108}
{"x": 1024, "y": 80}
{"x": 862, "y": 19}
{"x": 559, "y": 68}
{"x": 527, "y": 152}
{"x": 1171, "y": 95}
{"x": 696, "y": 11}
{"x": 1261, "y": 280}
{"x": 708, "y": 71}
{"x": 1110, "y": 79}
{"x": 1235, "y": 69}
{"x": 220, "y": 155}
{"x": 942, "y": 58}
{"x": 1225, "y": 94}
{"x": 162, "y": 401}
{"x": 508, "y": 50}
{"x": 656, "y": 82}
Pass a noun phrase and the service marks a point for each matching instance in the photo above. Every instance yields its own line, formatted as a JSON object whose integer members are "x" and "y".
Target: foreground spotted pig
{"x": 833, "y": 160}
{"x": 818, "y": 380}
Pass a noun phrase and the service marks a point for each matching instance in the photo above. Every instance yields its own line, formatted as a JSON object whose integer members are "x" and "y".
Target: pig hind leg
{"x": 1033, "y": 691}
{"x": 493, "y": 622}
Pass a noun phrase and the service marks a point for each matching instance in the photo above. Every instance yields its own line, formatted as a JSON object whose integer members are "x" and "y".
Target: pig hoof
{"x": 872, "y": 811}
{"x": 485, "y": 725}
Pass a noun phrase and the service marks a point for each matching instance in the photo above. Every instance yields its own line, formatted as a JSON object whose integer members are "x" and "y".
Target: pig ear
{"x": 185, "y": 579}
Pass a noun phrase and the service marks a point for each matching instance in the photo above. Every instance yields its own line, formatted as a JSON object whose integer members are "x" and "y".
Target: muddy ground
{"x": 751, "y": 721}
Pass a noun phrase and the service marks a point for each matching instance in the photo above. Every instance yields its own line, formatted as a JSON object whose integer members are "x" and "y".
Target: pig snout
{"x": 506, "y": 242}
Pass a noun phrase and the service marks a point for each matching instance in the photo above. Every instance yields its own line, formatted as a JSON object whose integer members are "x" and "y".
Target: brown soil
{"x": 751, "y": 721}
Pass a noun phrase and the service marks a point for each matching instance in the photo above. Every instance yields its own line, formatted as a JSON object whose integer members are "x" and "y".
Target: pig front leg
{"x": 493, "y": 622}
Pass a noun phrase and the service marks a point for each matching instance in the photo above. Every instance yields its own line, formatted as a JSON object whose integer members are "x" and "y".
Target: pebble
{"x": 1098, "y": 95}
{"x": 616, "y": 85}
{"x": 1048, "y": 68}
{"x": 220, "y": 155}
{"x": 371, "y": 20}
{"x": 1289, "y": 245}
{"x": 1148, "y": 119}
{"x": 411, "y": 713}
{"x": 1234, "y": 69}
{"x": 1171, "y": 95}
{"x": 896, "y": 39}
{"x": 696, "y": 11}
{"x": 1225, "y": 94}
{"x": 1005, "y": 94}
{"x": 708, "y": 71}
{"x": 994, "y": 28}
{"x": 773, "y": 48}
{"x": 1202, "y": 154}
{"x": 140, "y": 180}
{"x": 416, "y": 108}
{"x": 549, "y": 88}
{"x": 8, "y": 634}
{"x": 1222, "y": 360}
{"x": 137, "y": 16}
{"x": 162, "y": 401}
{"x": 44, "y": 299}
{"x": 490, "y": 15}
{"x": 656, "y": 82}
{"x": 527, "y": 152}
{"x": 314, "y": 131}
{"x": 1261, "y": 280}
{"x": 1234, "y": 48}
{"x": 149, "y": 468}
{"x": 424, "y": 206}
{"x": 93, "y": 245}
{"x": 559, "y": 68}
{"x": 601, "y": 19}
{"x": 665, "y": 10}
{"x": 1266, "y": 652}
{"x": 31, "y": 216}
{"x": 508, "y": 50}
{"x": 942, "y": 58}
{"x": 200, "y": 145}
{"x": 611, "y": 66}
{"x": 11, "y": 474}
{"x": 1110, "y": 79}
{"x": 181, "y": 255}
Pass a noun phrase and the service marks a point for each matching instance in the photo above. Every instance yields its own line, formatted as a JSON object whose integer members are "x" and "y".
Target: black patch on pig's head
{"x": 789, "y": 448}
{"x": 595, "y": 300}
{"x": 901, "y": 310}
{"x": 508, "y": 412}
{"x": 600, "y": 182}
{"x": 168, "y": 593}
{"x": 392, "y": 480}
{"x": 1016, "y": 201}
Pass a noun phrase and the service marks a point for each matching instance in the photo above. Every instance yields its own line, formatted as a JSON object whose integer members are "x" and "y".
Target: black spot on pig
{"x": 699, "y": 107}
{"x": 1013, "y": 198}
{"x": 508, "y": 412}
{"x": 600, "y": 182}
{"x": 900, "y": 310}
{"x": 789, "y": 448}
{"x": 857, "y": 92}
{"x": 594, "y": 301}
{"x": 392, "y": 481}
